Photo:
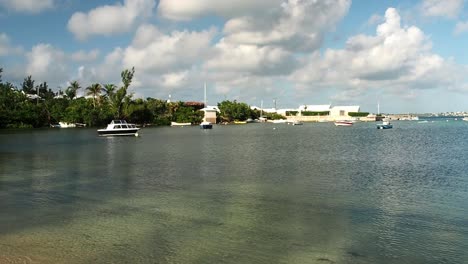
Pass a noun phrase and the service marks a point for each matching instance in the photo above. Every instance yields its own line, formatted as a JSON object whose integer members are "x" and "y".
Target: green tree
{"x": 118, "y": 102}
{"x": 95, "y": 91}
{"x": 231, "y": 111}
{"x": 72, "y": 89}
{"x": 28, "y": 85}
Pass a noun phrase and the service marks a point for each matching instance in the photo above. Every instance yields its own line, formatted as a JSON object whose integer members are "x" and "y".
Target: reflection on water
{"x": 236, "y": 194}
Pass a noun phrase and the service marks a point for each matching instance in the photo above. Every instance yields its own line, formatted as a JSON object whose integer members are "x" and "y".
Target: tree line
{"x": 36, "y": 105}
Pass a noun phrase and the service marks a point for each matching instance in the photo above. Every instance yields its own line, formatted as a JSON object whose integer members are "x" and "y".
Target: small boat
{"x": 119, "y": 128}
{"x": 279, "y": 121}
{"x": 297, "y": 123}
{"x": 423, "y": 121}
{"x": 206, "y": 125}
{"x": 465, "y": 118}
{"x": 66, "y": 125}
{"x": 180, "y": 124}
{"x": 344, "y": 123}
{"x": 250, "y": 120}
{"x": 385, "y": 125}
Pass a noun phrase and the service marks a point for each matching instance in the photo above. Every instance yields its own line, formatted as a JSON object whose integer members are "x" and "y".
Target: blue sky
{"x": 409, "y": 55}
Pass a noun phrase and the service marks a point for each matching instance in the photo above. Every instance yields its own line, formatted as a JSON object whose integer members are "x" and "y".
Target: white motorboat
{"x": 180, "y": 124}
{"x": 465, "y": 118}
{"x": 385, "y": 125}
{"x": 344, "y": 123}
{"x": 297, "y": 123}
{"x": 206, "y": 125}
{"x": 119, "y": 128}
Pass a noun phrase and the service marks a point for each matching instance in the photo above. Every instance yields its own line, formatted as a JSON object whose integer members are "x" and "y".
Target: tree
{"x": 231, "y": 111}
{"x": 95, "y": 91}
{"x": 72, "y": 90}
{"x": 127, "y": 76}
{"x": 28, "y": 85}
{"x": 1, "y": 70}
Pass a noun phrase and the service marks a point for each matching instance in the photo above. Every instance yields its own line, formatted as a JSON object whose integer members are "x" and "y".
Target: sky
{"x": 408, "y": 56}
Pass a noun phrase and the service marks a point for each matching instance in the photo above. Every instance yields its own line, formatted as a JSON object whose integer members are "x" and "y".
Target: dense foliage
{"x": 358, "y": 114}
{"x": 310, "y": 113}
{"x": 291, "y": 113}
{"x": 22, "y": 108}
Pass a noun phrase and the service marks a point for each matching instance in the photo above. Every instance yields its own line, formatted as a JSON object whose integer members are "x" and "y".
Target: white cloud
{"x": 84, "y": 56}
{"x": 397, "y": 58}
{"x": 298, "y": 25}
{"x": 445, "y": 8}
{"x": 151, "y": 50}
{"x": 47, "y": 63}
{"x": 189, "y": 9}
{"x": 6, "y": 48}
{"x": 27, "y": 6}
{"x": 110, "y": 19}
{"x": 251, "y": 59}
{"x": 461, "y": 27}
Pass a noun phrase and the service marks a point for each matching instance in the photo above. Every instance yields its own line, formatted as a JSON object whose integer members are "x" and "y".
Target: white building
{"x": 315, "y": 108}
{"x": 210, "y": 114}
{"x": 341, "y": 112}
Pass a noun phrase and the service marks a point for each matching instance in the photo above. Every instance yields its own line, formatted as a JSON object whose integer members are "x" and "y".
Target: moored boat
{"x": 343, "y": 123}
{"x": 465, "y": 118}
{"x": 297, "y": 123}
{"x": 180, "y": 124}
{"x": 206, "y": 125}
{"x": 119, "y": 128}
{"x": 385, "y": 125}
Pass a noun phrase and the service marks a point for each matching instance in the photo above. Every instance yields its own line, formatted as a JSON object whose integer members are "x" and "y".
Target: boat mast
{"x": 205, "y": 96}
{"x": 378, "y": 108}
{"x": 261, "y": 108}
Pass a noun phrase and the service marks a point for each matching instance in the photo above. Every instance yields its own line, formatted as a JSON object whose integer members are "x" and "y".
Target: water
{"x": 256, "y": 193}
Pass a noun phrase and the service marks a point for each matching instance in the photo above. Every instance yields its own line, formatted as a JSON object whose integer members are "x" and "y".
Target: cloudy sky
{"x": 411, "y": 56}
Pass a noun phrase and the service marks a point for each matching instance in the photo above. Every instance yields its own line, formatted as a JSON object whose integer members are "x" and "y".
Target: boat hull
{"x": 384, "y": 126}
{"x": 343, "y": 123}
{"x": 206, "y": 126}
{"x": 180, "y": 124}
{"x": 118, "y": 132}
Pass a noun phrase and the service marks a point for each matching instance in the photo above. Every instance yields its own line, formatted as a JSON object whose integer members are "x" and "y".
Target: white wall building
{"x": 341, "y": 112}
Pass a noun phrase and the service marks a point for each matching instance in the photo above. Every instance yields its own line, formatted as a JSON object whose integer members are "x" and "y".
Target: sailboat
{"x": 261, "y": 118}
{"x": 205, "y": 124}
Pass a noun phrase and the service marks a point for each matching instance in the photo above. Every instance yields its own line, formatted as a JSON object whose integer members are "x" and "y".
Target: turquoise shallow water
{"x": 256, "y": 193}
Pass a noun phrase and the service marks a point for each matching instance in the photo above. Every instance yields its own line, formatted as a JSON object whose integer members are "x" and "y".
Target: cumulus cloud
{"x": 298, "y": 25}
{"x": 27, "y": 6}
{"x": 461, "y": 27}
{"x": 152, "y": 50}
{"x": 6, "y": 48}
{"x": 47, "y": 63}
{"x": 83, "y": 56}
{"x": 251, "y": 59}
{"x": 445, "y": 8}
{"x": 189, "y": 9}
{"x": 396, "y": 57}
{"x": 110, "y": 19}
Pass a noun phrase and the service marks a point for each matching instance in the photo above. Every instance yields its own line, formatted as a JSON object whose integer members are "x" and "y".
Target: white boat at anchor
{"x": 385, "y": 125}
{"x": 206, "y": 125}
{"x": 344, "y": 123}
{"x": 180, "y": 124}
{"x": 119, "y": 128}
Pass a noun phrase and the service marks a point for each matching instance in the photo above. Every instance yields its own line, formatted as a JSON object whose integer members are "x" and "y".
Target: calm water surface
{"x": 256, "y": 193}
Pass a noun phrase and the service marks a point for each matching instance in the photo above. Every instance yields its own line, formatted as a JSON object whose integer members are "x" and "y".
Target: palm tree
{"x": 72, "y": 89}
{"x": 109, "y": 89}
{"x": 95, "y": 91}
